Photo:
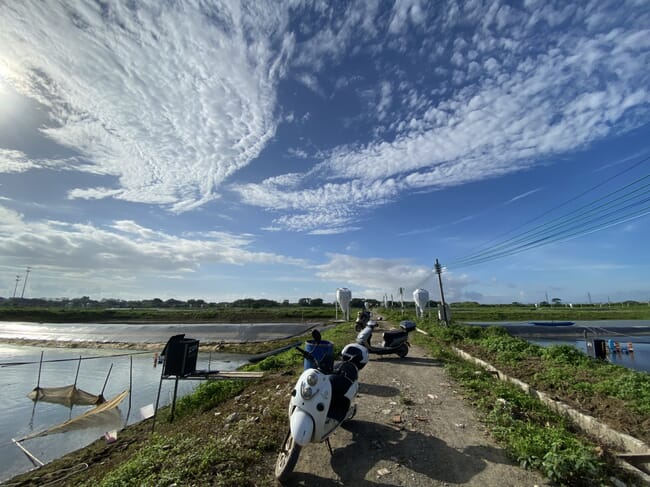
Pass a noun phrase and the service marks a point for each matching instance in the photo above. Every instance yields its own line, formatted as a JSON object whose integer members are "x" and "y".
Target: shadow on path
{"x": 416, "y": 361}
{"x": 413, "y": 451}
{"x": 378, "y": 390}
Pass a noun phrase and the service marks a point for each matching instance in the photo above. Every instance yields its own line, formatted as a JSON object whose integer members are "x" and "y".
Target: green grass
{"x": 208, "y": 395}
{"x": 618, "y": 311}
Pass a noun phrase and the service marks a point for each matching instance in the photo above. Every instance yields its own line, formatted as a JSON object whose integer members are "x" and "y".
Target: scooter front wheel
{"x": 287, "y": 458}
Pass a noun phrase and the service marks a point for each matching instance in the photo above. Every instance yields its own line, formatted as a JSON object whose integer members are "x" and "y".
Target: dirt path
{"x": 412, "y": 428}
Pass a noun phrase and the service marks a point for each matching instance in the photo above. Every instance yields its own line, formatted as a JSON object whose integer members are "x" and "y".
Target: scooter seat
{"x": 390, "y": 336}
{"x": 345, "y": 374}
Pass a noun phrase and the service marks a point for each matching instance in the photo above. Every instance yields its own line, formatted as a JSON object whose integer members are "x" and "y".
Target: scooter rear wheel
{"x": 402, "y": 351}
{"x": 287, "y": 458}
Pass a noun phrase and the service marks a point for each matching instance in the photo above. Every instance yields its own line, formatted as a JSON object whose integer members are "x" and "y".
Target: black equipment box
{"x": 597, "y": 348}
{"x": 180, "y": 356}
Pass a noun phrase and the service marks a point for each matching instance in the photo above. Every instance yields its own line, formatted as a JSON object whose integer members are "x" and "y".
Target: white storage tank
{"x": 343, "y": 298}
{"x": 421, "y": 298}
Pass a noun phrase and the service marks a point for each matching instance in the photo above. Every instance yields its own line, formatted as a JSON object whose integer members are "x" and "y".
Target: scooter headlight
{"x": 306, "y": 391}
{"x": 312, "y": 379}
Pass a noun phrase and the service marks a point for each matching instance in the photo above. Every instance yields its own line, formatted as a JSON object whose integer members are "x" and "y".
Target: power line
{"x": 596, "y": 223}
{"x": 562, "y": 237}
{"x": 487, "y": 248}
{"x": 627, "y": 201}
{"x": 569, "y": 222}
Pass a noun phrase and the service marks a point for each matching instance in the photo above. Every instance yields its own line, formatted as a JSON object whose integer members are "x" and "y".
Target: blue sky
{"x": 223, "y": 150}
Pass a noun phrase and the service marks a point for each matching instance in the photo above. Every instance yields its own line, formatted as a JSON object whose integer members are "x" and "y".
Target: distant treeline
{"x": 88, "y": 310}
{"x": 156, "y": 303}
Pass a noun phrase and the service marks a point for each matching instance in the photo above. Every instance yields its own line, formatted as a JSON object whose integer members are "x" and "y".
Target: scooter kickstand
{"x": 329, "y": 446}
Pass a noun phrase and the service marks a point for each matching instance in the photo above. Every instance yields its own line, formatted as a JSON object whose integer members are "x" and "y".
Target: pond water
{"x": 20, "y": 416}
{"x": 639, "y": 360}
{"x": 150, "y": 332}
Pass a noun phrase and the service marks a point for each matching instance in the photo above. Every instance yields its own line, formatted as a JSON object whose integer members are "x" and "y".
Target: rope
{"x": 9, "y": 364}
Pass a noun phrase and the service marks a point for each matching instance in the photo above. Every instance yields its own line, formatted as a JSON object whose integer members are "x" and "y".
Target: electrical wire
{"x": 626, "y": 203}
{"x": 583, "y": 216}
{"x": 571, "y": 200}
{"x": 94, "y": 357}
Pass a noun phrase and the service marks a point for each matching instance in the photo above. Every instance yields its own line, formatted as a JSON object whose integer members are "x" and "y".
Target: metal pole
{"x": 438, "y": 268}
{"x": 40, "y": 365}
{"x": 25, "y": 282}
{"x": 106, "y": 381}
{"x": 16, "y": 286}
{"x": 77, "y": 375}
{"x": 128, "y": 413}
{"x": 171, "y": 418}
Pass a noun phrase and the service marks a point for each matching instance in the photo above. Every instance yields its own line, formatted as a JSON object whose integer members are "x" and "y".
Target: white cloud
{"x": 376, "y": 277}
{"x": 522, "y": 195}
{"x": 173, "y": 100}
{"x": 14, "y": 161}
{"x": 170, "y": 99}
{"x": 540, "y": 93}
{"x": 124, "y": 248}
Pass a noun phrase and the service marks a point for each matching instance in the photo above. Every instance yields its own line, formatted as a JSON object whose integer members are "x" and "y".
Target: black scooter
{"x": 362, "y": 320}
{"x": 394, "y": 341}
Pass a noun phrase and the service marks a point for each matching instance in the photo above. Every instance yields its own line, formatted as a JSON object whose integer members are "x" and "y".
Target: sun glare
{"x": 4, "y": 77}
{"x": 8, "y": 98}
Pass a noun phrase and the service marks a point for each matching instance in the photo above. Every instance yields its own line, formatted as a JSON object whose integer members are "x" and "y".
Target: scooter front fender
{"x": 302, "y": 426}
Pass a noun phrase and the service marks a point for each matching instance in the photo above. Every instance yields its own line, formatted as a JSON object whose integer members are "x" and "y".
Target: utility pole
{"x": 16, "y": 286}
{"x": 438, "y": 269}
{"x": 401, "y": 299}
{"x": 25, "y": 281}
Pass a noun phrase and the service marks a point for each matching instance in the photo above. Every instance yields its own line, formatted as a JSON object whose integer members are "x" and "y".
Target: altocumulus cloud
{"x": 172, "y": 100}
{"x": 169, "y": 98}
{"x": 518, "y": 86}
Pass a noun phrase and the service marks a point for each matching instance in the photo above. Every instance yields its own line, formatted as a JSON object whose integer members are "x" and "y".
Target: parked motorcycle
{"x": 321, "y": 400}
{"x": 394, "y": 341}
{"x": 361, "y": 322}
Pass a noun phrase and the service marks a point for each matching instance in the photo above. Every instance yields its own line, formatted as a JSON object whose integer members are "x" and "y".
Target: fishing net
{"x": 66, "y": 395}
{"x": 104, "y": 413}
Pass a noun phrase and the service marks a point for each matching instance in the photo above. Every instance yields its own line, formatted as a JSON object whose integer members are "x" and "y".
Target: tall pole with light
{"x": 16, "y": 286}
{"x": 29, "y": 269}
{"x": 443, "y": 314}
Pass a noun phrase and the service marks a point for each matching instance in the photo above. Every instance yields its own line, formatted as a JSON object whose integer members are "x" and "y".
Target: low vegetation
{"x": 84, "y": 310}
{"x": 150, "y": 315}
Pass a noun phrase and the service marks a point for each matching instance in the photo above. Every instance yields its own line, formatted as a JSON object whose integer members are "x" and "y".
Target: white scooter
{"x": 394, "y": 341}
{"x": 320, "y": 402}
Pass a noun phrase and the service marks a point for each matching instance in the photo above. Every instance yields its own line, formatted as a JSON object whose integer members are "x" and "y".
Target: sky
{"x": 282, "y": 150}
